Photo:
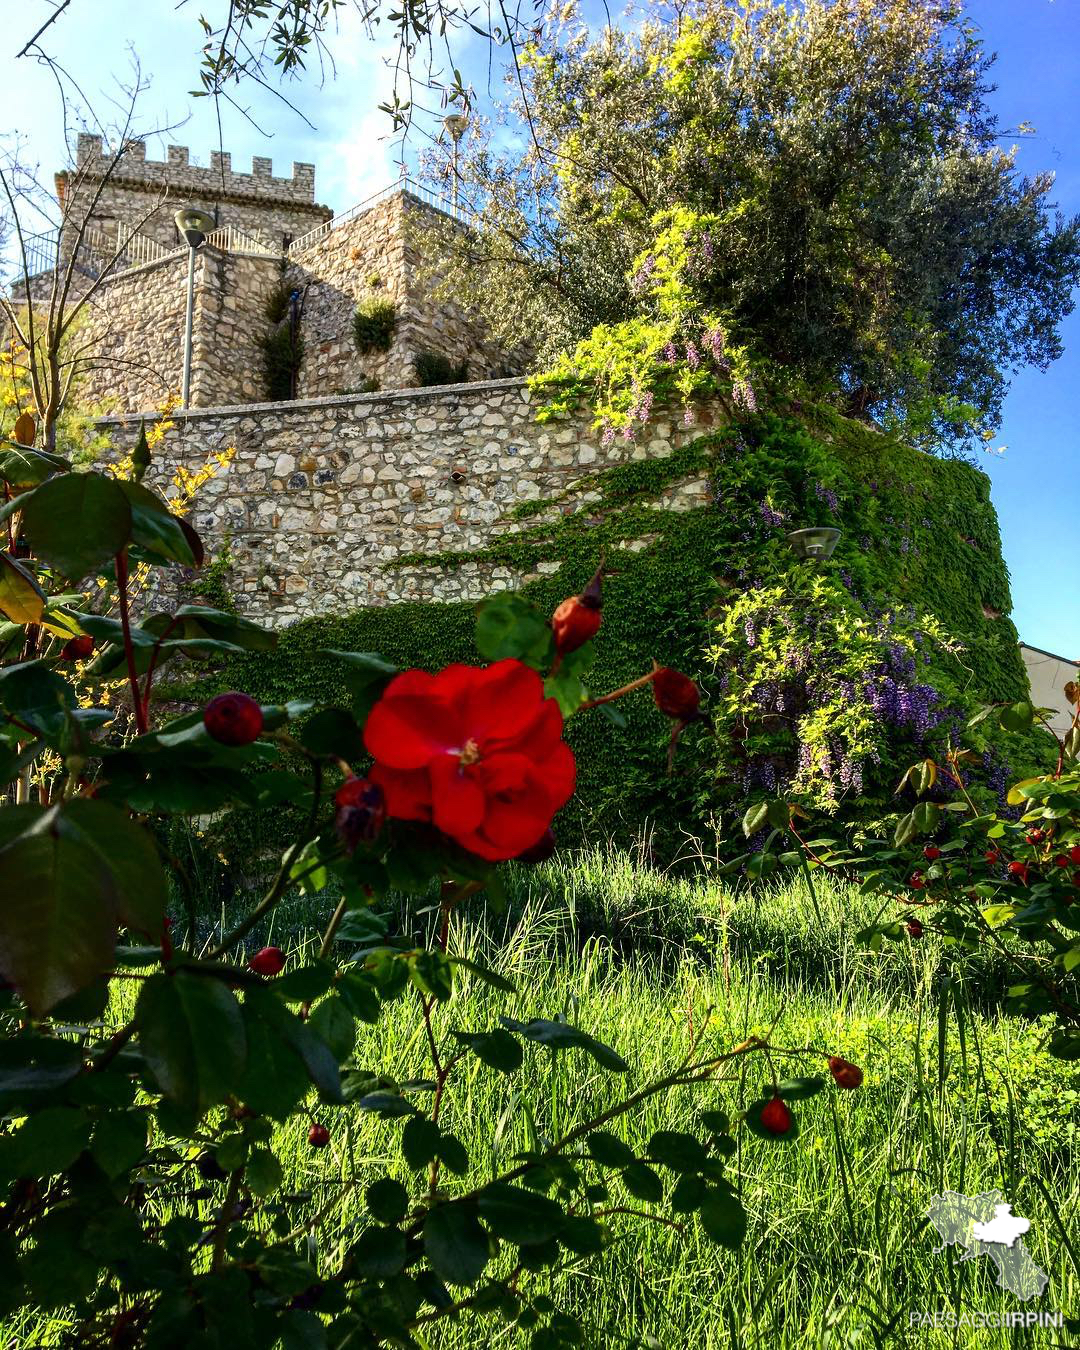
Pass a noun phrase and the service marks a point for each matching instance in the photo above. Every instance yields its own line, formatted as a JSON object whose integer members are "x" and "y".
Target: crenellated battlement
{"x": 219, "y": 182}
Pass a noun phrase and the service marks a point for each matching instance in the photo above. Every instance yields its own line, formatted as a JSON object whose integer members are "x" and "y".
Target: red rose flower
{"x": 478, "y": 753}
{"x": 676, "y": 695}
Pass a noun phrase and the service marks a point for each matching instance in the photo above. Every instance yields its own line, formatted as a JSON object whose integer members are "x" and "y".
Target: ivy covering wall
{"x": 919, "y": 538}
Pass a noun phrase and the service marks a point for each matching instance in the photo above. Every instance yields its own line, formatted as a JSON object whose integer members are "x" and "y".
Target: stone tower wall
{"x": 133, "y": 330}
{"x": 373, "y": 256}
{"x": 134, "y": 322}
{"x": 144, "y": 193}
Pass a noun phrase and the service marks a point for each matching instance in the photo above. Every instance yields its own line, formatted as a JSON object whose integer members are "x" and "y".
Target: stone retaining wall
{"x": 324, "y": 494}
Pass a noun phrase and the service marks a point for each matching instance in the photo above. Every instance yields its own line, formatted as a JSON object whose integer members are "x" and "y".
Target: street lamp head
{"x": 817, "y": 543}
{"x": 455, "y": 124}
{"x": 194, "y": 225}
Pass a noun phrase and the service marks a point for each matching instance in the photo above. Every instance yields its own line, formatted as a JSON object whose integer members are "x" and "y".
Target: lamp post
{"x": 817, "y": 543}
{"x": 455, "y": 124}
{"x": 194, "y": 225}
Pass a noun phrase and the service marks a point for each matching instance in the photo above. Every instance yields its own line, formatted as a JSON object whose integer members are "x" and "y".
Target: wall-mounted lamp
{"x": 194, "y": 225}
{"x": 817, "y": 543}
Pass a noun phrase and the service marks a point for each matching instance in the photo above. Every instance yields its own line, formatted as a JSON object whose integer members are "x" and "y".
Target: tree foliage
{"x": 827, "y": 181}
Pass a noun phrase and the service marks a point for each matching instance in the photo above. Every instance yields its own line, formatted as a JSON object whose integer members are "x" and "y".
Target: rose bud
{"x": 931, "y": 853}
{"x": 233, "y": 719}
{"x": 544, "y": 848}
{"x": 78, "y": 649}
{"x": 360, "y": 810}
{"x": 577, "y": 619}
{"x": 915, "y": 928}
{"x": 675, "y": 694}
{"x": 1035, "y": 836}
{"x": 268, "y": 961}
{"x": 846, "y": 1075}
{"x": 775, "y": 1116}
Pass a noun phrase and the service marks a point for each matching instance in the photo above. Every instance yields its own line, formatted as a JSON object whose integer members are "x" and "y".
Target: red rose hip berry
{"x": 915, "y": 928}
{"x": 847, "y": 1075}
{"x": 318, "y": 1136}
{"x": 78, "y": 649}
{"x": 676, "y": 694}
{"x": 1061, "y": 860}
{"x": 578, "y": 618}
{"x": 775, "y": 1116}
{"x": 1035, "y": 836}
{"x": 931, "y": 853}
{"x": 1074, "y": 853}
{"x": 915, "y": 881}
{"x": 233, "y": 719}
{"x": 268, "y": 961}
{"x": 1019, "y": 871}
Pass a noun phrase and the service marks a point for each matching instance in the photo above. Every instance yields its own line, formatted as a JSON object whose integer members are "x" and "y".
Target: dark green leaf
{"x": 507, "y": 625}
{"x": 387, "y": 1199}
{"x": 677, "y": 1150}
{"x": 562, "y": 1036}
{"x": 497, "y": 1048}
{"x": 519, "y": 1215}
{"x": 191, "y": 1032}
{"x": 643, "y": 1183}
{"x": 77, "y": 521}
{"x": 609, "y": 1150}
{"x": 723, "y": 1217}
{"x": 455, "y": 1243}
{"x": 155, "y": 531}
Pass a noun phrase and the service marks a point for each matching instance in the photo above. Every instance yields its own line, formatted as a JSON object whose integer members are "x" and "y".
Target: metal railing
{"x": 101, "y": 251}
{"x": 231, "y": 240}
{"x": 410, "y": 185}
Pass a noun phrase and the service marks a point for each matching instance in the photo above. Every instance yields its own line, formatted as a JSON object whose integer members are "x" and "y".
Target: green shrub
{"x": 433, "y": 368}
{"x": 373, "y": 325}
{"x": 277, "y": 302}
{"x": 282, "y": 353}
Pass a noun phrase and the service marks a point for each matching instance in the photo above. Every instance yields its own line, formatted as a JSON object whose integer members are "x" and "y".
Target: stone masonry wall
{"x": 270, "y": 209}
{"x": 133, "y": 332}
{"x": 323, "y": 495}
{"x": 374, "y": 255}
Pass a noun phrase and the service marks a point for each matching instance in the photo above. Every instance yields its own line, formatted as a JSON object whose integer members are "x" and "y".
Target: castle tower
{"x": 143, "y": 194}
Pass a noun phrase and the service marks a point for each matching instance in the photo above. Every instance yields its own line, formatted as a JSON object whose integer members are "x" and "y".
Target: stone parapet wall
{"x": 323, "y": 495}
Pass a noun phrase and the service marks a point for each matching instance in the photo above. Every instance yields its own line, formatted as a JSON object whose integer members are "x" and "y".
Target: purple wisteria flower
{"x": 828, "y": 496}
{"x": 742, "y": 391}
{"x": 693, "y": 356}
{"x": 770, "y": 516}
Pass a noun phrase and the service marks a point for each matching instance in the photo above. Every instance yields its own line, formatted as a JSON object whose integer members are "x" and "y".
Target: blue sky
{"x": 1036, "y": 479}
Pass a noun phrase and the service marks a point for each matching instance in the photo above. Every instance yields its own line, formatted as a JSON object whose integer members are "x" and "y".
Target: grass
{"x": 838, "y": 1250}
